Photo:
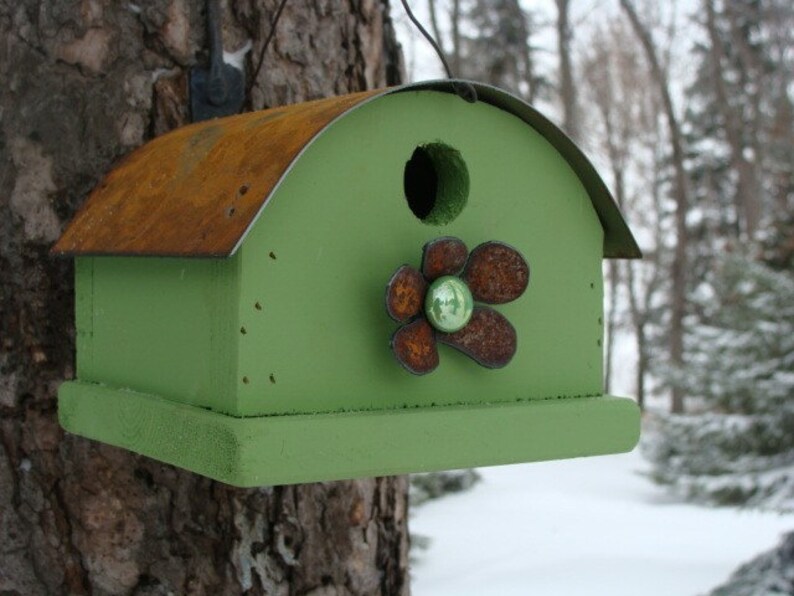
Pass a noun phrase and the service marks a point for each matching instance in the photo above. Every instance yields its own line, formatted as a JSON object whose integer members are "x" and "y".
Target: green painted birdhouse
{"x": 386, "y": 282}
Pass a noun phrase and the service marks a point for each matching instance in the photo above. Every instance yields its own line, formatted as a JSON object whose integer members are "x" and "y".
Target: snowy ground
{"x": 591, "y": 526}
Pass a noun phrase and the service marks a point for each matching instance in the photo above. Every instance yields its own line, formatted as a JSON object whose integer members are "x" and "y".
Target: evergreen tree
{"x": 737, "y": 445}
{"x": 496, "y": 47}
{"x": 769, "y": 574}
{"x": 739, "y": 122}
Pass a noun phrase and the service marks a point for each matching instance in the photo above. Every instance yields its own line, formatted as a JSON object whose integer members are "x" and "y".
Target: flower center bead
{"x": 448, "y": 304}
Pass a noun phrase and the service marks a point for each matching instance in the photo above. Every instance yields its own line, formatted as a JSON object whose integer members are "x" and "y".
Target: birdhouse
{"x": 386, "y": 282}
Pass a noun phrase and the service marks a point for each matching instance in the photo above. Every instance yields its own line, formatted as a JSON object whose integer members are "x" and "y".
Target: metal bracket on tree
{"x": 219, "y": 91}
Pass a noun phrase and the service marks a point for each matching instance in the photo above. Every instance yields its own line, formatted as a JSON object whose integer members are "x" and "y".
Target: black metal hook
{"x": 219, "y": 91}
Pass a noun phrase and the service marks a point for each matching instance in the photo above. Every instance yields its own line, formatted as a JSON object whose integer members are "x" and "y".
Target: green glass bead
{"x": 448, "y": 304}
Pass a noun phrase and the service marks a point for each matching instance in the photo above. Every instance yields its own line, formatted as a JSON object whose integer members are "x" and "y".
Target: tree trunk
{"x": 84, "y": 83}
{"x": 681, "y": 194}
{"x": 570, "y": 107}
{"x": 456, "y": 49}
{"x": 747, "y": 196}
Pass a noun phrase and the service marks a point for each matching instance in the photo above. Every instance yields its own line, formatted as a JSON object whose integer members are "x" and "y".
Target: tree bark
{"x": 85, "y": 82}
{"x": 681, "y": 194}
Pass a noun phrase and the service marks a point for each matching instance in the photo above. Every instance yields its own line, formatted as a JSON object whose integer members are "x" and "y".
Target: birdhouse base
{"x": 289, "y": 449}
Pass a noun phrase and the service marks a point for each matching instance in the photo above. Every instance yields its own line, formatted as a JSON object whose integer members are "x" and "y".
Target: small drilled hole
{"x": 592, "y": 285}
{"x": 272, "y": 255}
{"x": 230, "y": 211}
{"x": 243, "y": 330}
{"x": 436, "y": 183}
{"x": 273, "y": 379}
{"x": 245, "y": 380}
{"x": 257, "y": 306}
{"x": 598, "y": 342}
{"x": 243, "y": 189}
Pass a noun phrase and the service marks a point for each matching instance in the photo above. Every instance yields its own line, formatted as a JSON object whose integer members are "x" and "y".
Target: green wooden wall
{"x": 339, "y": 226}
{"x": 295, "y": 322}
{"x": 161, "y": 326}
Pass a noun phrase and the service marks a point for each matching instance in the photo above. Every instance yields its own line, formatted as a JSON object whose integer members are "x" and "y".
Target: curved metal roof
{"x": 181, "y": 194}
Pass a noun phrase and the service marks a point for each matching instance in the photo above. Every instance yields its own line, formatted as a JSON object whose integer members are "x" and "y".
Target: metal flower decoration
{"x": 438, "y": 303}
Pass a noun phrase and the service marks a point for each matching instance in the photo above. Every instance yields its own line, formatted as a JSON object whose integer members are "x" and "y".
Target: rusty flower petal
{"x": 414, "y": 345}
{"x": 405, "y": 294}
{"x": 496, "y": 273}
{"x": 489, "y": 338}
{"x": 443, "y": 256}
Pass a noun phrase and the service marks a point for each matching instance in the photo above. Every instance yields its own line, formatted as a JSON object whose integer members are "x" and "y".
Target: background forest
{"x": 687, "y": 109}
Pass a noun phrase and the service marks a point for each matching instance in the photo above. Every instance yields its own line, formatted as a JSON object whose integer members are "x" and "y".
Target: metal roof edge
{"x": 619, "y": 242}
{"x": 106, "y": 204}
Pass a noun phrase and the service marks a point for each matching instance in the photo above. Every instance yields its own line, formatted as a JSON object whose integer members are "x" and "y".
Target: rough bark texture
{"x": 84, "y": 82}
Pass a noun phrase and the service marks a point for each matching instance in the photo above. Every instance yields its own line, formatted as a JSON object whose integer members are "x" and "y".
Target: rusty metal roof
{"x": 180, "y": 195}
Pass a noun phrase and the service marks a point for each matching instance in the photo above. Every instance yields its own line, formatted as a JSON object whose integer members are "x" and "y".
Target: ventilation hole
{"x": 600, "y": 320}
{"x": 273, "y": 379}
{"x": 242, "y": 190}
{"x": 592, "y": 285}
{"x": 245, "y": 380}
{"x": 230, "y": 211}
{"x": 599, "y": 343}
{"x": 257, "y": 306}
{"x": 272, "y": 255}
{"x": 243, "y": 330}
{"x": 436, "y": 183}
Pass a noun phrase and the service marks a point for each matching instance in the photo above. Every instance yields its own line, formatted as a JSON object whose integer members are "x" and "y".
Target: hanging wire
{"x": 462, "y": 89}
{"x": 270, "y": 35}
{"x": 429, "y": 38}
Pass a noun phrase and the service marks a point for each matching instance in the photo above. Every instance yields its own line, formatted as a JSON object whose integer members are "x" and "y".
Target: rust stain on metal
{"x": 172, "y": 196}
{"x": 443, "y": 256}
{"x": 496, "y": 273}
{"x": 414, "y": 345}
{"x": 405, "y": 294}
{"x": 488, "y": 338}
{"x": 178, "y": 195}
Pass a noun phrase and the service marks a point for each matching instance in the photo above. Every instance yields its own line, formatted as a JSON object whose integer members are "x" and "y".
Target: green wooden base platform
{"x": 289, "y": 449}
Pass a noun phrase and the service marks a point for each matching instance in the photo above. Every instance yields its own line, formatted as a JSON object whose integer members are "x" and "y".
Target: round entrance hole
{"x": 436, "y": 183}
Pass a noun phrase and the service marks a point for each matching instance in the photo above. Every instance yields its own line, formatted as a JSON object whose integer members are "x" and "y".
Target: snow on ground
{"x": 590, "y": 526}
